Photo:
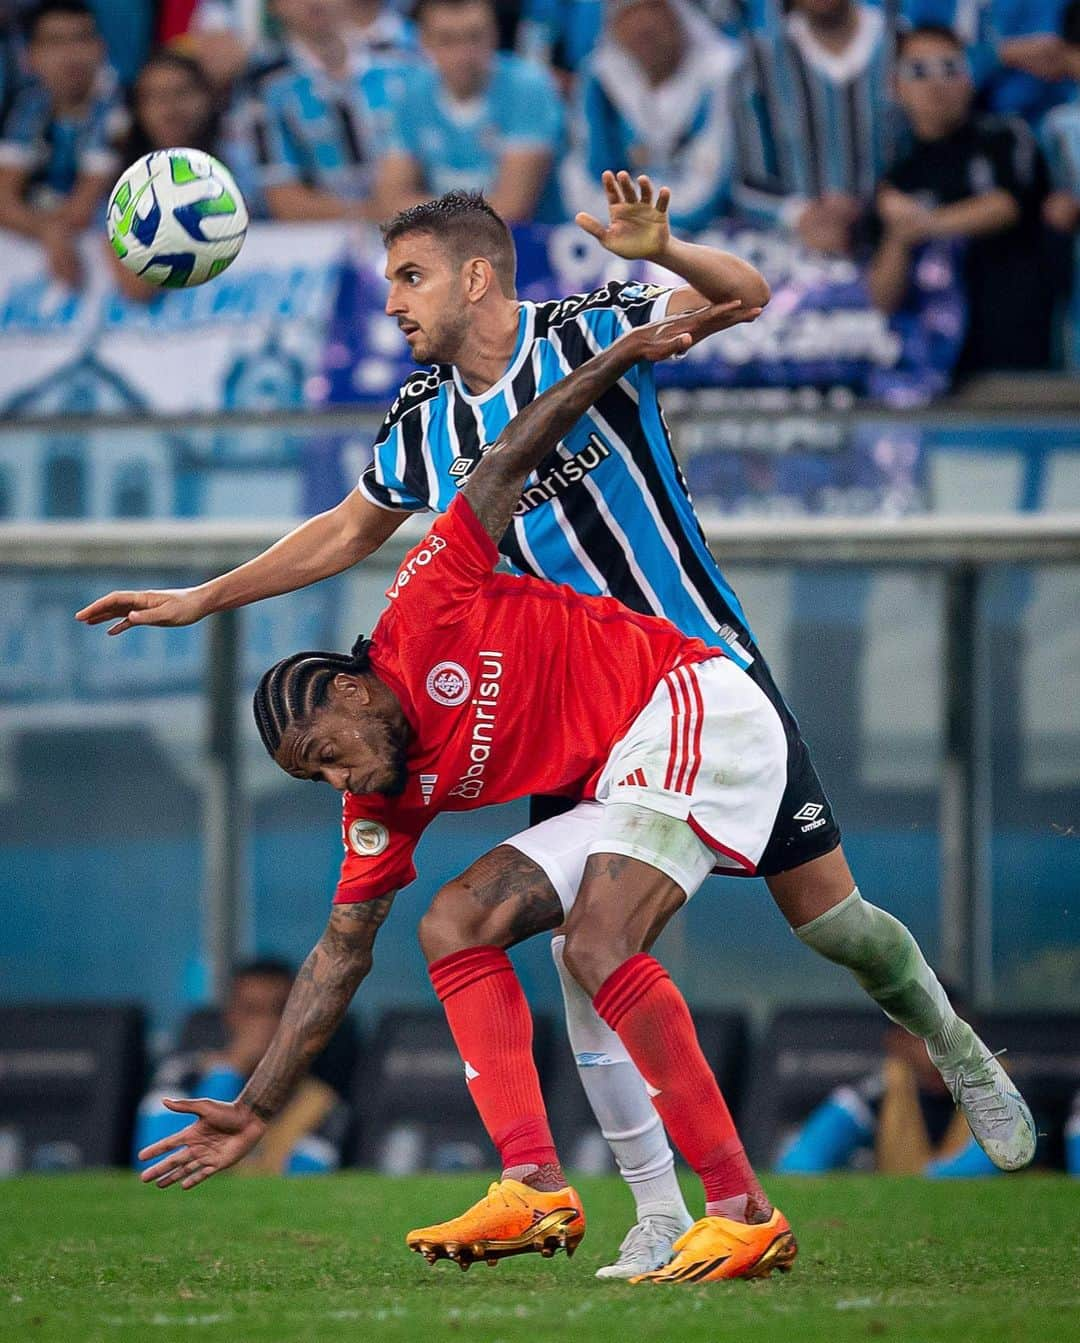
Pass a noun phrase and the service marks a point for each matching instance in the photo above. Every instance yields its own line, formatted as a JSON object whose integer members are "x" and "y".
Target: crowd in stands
{"x": 864, "y": 128}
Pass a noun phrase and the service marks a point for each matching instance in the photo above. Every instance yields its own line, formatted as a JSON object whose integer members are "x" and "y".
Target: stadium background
{"x": 255, "y": 399}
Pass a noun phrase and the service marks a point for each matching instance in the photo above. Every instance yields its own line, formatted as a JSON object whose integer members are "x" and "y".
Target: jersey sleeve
{"x": 379, "y": 844}
{"x": 397, "y": 476}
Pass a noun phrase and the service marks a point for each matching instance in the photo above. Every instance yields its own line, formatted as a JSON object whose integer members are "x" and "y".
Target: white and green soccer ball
{"x": 177, "y": 218}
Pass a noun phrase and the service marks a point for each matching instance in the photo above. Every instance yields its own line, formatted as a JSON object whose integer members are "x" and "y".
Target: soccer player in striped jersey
{"x": 607, "y": 512}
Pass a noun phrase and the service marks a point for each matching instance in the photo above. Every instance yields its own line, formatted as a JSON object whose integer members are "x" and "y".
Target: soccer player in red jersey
{"x": 477, "y": 688}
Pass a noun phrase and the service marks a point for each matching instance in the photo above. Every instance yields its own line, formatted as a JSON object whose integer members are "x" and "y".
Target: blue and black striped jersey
{"x": 608, "y": 511}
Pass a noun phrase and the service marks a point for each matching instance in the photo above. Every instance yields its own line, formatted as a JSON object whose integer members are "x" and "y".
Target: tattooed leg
{"x": 502, "y": 899}
{"x": 621, "y": 909}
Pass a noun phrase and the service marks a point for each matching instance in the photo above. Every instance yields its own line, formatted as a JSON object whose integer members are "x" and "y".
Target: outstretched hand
{"x": 222, "y": 1134}
{"x": 638, "y": 227}
{"x": 171, "y": 606}
{"x": 675, "y": 335}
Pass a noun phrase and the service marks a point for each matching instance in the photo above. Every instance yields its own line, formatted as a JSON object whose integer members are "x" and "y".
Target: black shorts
{"x": 805, "y": 825}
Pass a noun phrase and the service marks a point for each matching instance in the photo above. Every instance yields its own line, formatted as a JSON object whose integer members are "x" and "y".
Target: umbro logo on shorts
{"x": 810, "y": 812}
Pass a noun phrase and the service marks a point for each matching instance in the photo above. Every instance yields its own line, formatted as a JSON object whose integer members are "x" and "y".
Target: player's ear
{"x": 352, "y": 688}
{"x": 479, "y": 278}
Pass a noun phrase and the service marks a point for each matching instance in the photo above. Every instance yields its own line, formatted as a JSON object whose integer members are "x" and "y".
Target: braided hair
{"x": 295, "y": 687}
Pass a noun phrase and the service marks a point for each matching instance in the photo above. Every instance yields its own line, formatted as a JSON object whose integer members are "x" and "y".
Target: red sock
{"x": 492, "y": 1028}
{"x": 648, "y": 1013}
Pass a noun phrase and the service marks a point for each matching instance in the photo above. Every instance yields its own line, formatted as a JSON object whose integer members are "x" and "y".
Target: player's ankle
{"x": 546, "y": 1179}
{"x": 752, "y": 1209}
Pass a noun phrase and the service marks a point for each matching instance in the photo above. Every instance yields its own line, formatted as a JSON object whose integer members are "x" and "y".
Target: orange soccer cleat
{"x": 510, "y": 1219}
{"x": 716, "y": 1248}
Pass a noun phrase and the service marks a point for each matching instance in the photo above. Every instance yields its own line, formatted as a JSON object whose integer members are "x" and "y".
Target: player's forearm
{"x": 495, "y": 486}
{"x": 319, "y": 998}
{"x": 319, "y": 548}
{"x": 535, "y": 431}
{"x": 717, "y": 276}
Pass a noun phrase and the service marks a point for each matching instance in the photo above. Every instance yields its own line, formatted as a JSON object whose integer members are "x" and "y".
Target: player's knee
{"x": 592, "y": 954}
{"x": 454, "y": 922}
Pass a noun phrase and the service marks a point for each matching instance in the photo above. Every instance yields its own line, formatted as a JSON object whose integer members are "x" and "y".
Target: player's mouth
{"x": 408, "y": 329}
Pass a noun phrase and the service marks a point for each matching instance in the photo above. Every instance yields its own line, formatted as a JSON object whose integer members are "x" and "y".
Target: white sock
{"x": 884, "y": 957}
{"x": 621, "y": 1104}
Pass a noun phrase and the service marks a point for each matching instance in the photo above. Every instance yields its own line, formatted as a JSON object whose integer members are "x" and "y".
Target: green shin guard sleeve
{"x": 886, "y": 960}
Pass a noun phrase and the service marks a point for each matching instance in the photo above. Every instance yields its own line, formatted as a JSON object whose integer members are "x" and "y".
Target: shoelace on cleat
{"x": 982, "y": 1087}
{"x": 645, "y": 1237}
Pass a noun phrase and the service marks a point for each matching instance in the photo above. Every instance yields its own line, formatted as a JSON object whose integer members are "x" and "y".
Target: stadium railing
{"x": 962, "y": 548}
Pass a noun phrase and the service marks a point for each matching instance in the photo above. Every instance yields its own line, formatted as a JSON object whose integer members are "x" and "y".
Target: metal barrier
{"x": 963, "y": 548}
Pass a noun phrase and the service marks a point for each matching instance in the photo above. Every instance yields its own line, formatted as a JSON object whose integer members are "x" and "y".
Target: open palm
{"x": 223, "y": 1134}
{"x": 638, "y": 227}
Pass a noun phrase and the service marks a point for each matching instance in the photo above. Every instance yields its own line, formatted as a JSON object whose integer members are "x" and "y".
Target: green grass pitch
{"x": 100, "y": 1257}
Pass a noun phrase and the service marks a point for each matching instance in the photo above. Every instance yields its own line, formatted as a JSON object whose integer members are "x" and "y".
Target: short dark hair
{"x": 47, "y": 8}
{"x": 263, "y": 967}
{"x": 938, "y": 30}
{"x": 468, "y": 225}
{"x": 295, "y": 687}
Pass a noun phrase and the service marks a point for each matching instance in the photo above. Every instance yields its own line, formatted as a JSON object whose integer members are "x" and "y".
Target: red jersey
{"x": 511, "y": 686}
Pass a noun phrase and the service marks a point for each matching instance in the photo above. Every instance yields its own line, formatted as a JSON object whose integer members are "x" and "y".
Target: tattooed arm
{"x": 224, "y": 1133}
{"x": 494, "y": 487}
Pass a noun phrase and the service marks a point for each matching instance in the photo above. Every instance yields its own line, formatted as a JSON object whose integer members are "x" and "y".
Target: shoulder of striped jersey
{"x": 614, "y": 294}
{"x": 423, "y": 385}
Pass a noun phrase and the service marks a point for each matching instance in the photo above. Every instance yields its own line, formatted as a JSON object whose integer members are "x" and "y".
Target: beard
{"x": 397, "y": 767}
{"x": 441, "y": 344}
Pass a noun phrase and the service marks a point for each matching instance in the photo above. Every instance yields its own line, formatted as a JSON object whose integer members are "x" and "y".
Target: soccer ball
{"x": 177, "y": 218}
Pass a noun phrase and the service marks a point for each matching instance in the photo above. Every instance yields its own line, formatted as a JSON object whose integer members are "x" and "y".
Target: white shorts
{"x": 693, "y": 786}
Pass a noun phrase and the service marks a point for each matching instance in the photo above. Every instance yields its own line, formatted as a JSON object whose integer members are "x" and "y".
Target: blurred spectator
{"x": 384, "y": 33}
{"x": 57, "y": 145}
{"x": 1032, "y": 54}
{"x": 813, "y": 127}
{"x": 560, "y": 33}
{"x": 655, "y": 99}
{"x": 980, "y": 181}
{"x": 214, "y": 34}
{"x": 1072, "y": 1138}
{"x": 323, "y": 112}
{"x": 903, "y": 1114}
{"x": 305, "y": 1137}
{"x": 971, "y": 20}
{"x": 476, "y": 119}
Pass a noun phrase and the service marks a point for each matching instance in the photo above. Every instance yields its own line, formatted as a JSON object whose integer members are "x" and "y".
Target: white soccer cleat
{"x": 647, "y": 1246}
{"x": 997, "y": 1114}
